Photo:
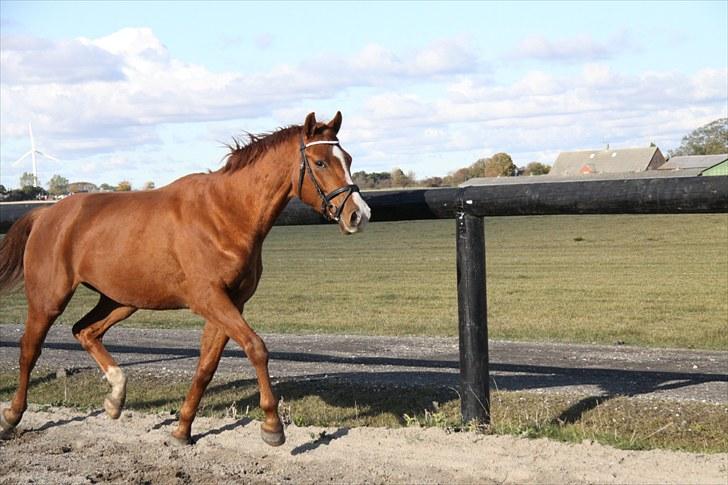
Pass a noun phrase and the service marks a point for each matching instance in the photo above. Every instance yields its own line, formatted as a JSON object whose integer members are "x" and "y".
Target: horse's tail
{"x": 12, "y": 250}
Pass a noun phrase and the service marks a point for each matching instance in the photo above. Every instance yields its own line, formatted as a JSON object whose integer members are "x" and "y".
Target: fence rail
{"x": 469, "y": 205}
{"x": 631, "y": 196}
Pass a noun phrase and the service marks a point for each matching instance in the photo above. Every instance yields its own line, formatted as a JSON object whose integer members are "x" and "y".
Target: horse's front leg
{"x": 212, "y": 344}
{"x": 218, "y": 310}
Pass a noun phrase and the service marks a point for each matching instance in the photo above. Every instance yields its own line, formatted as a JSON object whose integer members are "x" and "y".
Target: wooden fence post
{"x": 472, "y": 318}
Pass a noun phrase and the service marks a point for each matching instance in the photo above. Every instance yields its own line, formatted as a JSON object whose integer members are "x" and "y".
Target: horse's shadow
{"x": 62, "y": 422}
{"x": 323, "y": 438}
{"x": 217, "y": 431}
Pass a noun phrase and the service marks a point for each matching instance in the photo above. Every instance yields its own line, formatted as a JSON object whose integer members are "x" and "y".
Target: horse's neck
{"x": 258, "y": 193}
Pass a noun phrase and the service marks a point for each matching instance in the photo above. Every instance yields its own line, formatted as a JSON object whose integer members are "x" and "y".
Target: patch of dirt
{"x": 61, "y": 445}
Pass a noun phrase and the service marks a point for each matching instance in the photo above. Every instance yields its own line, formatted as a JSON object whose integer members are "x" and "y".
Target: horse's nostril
{"x": 354, "y": 219}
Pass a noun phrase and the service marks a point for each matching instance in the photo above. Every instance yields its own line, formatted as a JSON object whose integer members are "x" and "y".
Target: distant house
{"x": 624, "y": 160}
{"x": 74, "y": 187}
{"x": 699, "y": 164}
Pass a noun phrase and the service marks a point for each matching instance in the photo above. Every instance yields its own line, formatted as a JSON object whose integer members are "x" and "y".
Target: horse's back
{"x": 119, "y": 243}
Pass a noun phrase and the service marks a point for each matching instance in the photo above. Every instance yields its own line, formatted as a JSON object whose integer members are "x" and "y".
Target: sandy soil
{"x": 61, "y": 445}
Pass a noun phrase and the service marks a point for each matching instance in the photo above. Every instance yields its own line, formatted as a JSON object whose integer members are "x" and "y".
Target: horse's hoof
{"x": 273, "y": 439}
{"x": 177, "y": 441}
{"x": 113, "y": 407}
{"x": 6, "y": 429}
{"x": 8, "y": 424}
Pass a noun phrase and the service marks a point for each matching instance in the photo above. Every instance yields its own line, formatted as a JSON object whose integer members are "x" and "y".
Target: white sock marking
{"x": 117, "y": 379}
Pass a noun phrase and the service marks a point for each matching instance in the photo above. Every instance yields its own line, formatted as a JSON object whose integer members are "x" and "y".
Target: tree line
{"x": 499, "y": 165}
{"x": 58, "y": 187}
{"x": 709, "y": 139}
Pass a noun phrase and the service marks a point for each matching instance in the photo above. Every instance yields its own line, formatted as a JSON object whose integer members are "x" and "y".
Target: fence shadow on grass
{"x": 434, "y": 374}
{"x": 518, "y": 377}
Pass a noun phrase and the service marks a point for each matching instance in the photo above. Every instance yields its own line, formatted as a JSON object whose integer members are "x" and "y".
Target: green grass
{"x": 619, "y": 421}
{"x": 642, "y": 280}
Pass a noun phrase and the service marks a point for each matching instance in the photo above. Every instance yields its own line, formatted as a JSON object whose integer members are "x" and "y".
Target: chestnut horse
{"x": 195, "y": 244}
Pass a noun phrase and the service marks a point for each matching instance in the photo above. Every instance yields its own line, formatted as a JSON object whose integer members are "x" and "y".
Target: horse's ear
{"x": 335, "y": 123}
{"x": 309, "y": 126}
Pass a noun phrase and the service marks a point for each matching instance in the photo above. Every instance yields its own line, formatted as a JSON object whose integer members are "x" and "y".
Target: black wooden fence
{"x": 469, "y": 205}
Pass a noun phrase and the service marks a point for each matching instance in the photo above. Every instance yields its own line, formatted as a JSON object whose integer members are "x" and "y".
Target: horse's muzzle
{"x": 355, "y": 221}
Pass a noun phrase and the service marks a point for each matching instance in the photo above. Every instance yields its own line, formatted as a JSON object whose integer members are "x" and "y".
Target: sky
{"x": 151, "y": 91}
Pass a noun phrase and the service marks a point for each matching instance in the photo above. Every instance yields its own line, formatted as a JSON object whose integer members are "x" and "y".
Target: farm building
{"x": 699, "y": 164}
{"x": 720, "y": 168}
{"x": 623, "y": 160}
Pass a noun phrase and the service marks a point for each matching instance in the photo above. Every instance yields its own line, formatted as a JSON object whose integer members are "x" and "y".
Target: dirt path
{"x": 62, "y": 446}
{"x": 593, "y": 370}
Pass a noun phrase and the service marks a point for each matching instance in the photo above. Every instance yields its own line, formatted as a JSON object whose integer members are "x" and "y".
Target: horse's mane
{"x": 248, "y": 148}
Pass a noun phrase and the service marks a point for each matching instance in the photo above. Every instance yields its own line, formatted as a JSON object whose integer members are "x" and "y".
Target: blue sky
{"x": 150, "y": 91}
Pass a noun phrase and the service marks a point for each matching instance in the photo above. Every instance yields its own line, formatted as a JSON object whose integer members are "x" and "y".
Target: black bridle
{"x": 326, "y": 199}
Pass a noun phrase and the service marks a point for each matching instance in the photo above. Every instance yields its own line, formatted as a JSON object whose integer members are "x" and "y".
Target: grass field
{"x": 642, "y": 280}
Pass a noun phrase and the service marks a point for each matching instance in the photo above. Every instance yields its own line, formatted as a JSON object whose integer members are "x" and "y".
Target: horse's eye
{"x": 320, "y": 163}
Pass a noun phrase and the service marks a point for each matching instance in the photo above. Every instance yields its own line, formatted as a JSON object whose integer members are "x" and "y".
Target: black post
{"x": 473, "y": 319}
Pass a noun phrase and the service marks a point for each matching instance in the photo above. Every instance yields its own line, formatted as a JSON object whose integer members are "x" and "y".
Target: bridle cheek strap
{"x": 326, "y": 199}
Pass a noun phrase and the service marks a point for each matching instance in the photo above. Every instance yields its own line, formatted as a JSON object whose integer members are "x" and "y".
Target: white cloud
{"x": 572, "y": 49}
{"x": 541, "y": 114}
{"x": 114, "y": 89}
{"x": 441, "y": 57}
{"x": 27, "y": 60}
{"x": 395, "y": 105}
{"x": 429, "y": 109}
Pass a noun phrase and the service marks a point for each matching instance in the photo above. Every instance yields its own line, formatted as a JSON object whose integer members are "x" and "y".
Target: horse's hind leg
{"x": 89, "y": 331}
{"x": 40, "y": 319}
{"x": 212, "y": 345}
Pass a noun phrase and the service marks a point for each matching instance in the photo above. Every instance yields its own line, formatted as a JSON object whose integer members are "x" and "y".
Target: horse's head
{"x": 324, "y": 178}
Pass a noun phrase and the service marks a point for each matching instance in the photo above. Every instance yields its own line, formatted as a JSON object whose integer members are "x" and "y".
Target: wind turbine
{"x": 33, "y": 152}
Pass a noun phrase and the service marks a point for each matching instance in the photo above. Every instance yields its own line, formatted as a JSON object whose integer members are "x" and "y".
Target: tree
{"x": 29, "y": 192}
{"x": 373, "y": 180}
{"x": 536, "y": 168}
{"x": 710, "y": 139}
{"x": 149, "y": 185}
{"x": 500, "y": 165}
{"x": 3, "y": 190}
{"x": 432, "y": 182}
{"x": 27, "y": 180}
{"x": 58, "y": 185}
{"x": 107, "y": 188}
{"x": 124, "y": 186}
{"x": 401, "y": 179}
{"x": 457, "y": 177}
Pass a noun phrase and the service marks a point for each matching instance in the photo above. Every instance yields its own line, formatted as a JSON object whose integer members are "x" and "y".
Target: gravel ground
{"x": 66, "y": 446}
{"x": 541, "y": 367}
